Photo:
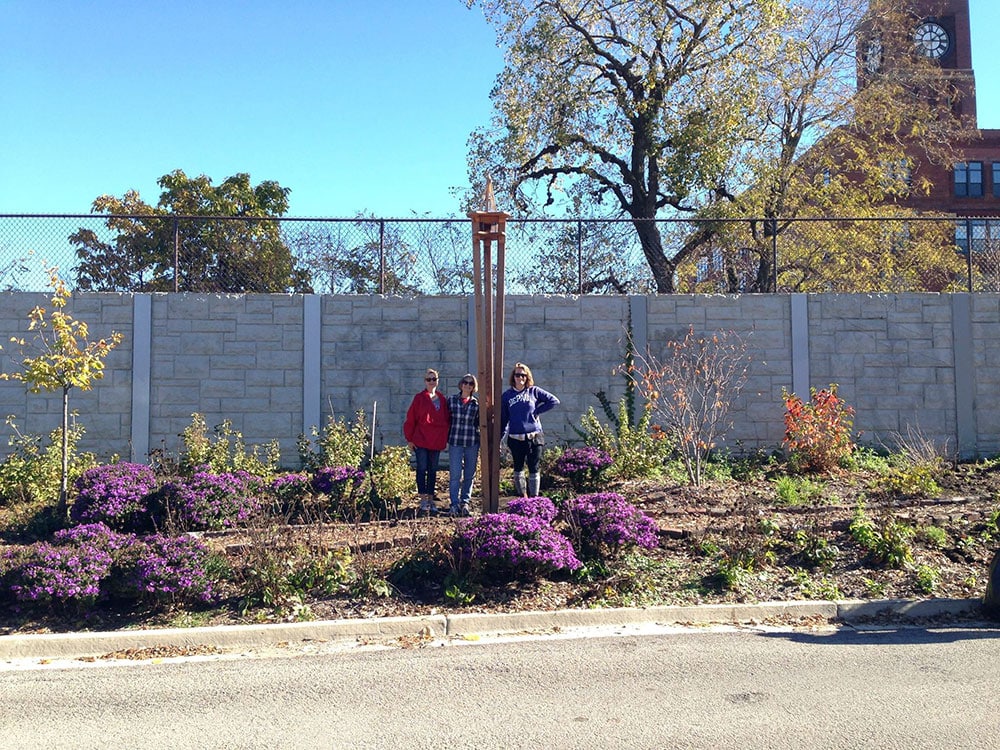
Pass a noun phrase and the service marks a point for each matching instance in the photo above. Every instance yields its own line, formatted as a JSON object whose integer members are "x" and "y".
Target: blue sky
{"x": 356, "y": 106}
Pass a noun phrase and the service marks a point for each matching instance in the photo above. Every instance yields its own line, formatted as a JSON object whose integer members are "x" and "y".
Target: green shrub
{"x": 934, "y": 536}
{"x": 927, "y": 578}
{"x": 887, "y": 542}
{"x": 750, "y": 551}
{"x": 224, "y": 451}
{"x": 814, "y": 551}
{"x": 917, "y": 480}
{"x": 815, "y": 588}
{"x": 638, "y": 450}
{"x": 792, "y": 490}
{"x": 280, "y": 575}
{"x": 867, "y": 459}
{"x": 340, "y": 444}
{"x": 391, "y": 479}
{"x": 31, "y": 473}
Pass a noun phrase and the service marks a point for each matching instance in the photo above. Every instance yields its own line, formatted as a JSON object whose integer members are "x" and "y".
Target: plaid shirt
{"x": 464, "y": 429}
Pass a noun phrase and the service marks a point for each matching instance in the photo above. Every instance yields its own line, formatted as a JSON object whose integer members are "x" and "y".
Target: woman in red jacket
{"x": 426, "y": 432}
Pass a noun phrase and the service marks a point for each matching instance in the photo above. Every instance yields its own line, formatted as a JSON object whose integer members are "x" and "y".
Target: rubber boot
{"x": 534, "y": 484}
{"x": 519, "y": 488}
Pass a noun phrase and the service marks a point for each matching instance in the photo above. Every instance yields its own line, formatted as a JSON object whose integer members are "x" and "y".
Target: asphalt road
{"x": 710, "y": 688}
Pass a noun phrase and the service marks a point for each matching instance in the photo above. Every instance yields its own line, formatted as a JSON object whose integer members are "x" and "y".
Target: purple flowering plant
{"x": 98, "y": 534}
{"x": 341, "y": 484}
{"x": 207, "y": 500}
{"x": 533, "y": 507}
{"x": 89, "y": 562}
{"x": 508, "y": 544}
{"x": 607, "y": 522}
{"x": 62, "y": 573}
{"x": 290, "y": 492}
{"x": 116, "y": 494}
{"x": 584, "y": 467}
{"x": 171, "y": 567}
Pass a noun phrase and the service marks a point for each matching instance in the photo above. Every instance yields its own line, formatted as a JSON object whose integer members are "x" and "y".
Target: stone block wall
{"x": 277, "y": 365}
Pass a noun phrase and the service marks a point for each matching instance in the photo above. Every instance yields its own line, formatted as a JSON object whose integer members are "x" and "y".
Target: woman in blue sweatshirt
{"x": 520, "y": 406}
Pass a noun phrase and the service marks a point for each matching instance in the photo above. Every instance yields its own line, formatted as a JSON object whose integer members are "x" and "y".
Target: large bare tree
{"x": 624, "y": 107}
{"x": 705, "y": 108}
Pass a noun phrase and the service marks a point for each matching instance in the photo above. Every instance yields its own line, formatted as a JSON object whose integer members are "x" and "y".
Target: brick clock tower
{"x": 971, "y": 187}
{"x": 942, "y": 34}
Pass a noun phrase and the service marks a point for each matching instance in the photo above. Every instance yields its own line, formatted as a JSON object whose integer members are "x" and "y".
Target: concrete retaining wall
{"x": 275, "y": 365}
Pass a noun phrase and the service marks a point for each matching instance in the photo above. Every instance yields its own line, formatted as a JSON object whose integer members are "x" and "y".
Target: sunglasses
{"x": 467, "y": 382}
{"x": 520, "y": 374}
{"x": 431, "y": 380}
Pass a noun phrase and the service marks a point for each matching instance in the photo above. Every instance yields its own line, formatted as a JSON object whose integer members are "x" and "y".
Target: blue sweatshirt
{"x": 519, "y": 410}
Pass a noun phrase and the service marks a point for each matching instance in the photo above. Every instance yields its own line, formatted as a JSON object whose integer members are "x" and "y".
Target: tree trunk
{"x": 762, "y": 281}
{"x": 62, "y": 507}
{"x": 652, "y": 247}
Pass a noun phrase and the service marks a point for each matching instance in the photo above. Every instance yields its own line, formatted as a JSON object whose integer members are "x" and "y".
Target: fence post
{"x": 381, "y": 256}
{"x": 772, "y": 227}
{"x": 579, "y": 256}
{"x": 177, "y": 253}
{"x": 774, "y": 260}
{"x": 968, "y": 258}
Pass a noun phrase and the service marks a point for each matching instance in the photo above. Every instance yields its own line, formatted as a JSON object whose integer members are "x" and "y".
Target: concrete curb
{"x": 241, "y": 637}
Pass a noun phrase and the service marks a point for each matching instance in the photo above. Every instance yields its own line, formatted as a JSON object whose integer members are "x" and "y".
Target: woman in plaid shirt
{"x": 463, "y": 443}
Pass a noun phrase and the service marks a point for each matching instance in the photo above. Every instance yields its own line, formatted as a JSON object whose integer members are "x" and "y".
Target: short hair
{"x": 527, "y": 370}
{"x": 430, "y": 372}
{"x": 468, "y": 376}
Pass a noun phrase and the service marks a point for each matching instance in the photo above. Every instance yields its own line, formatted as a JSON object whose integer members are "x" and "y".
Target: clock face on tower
{"x": 931, "y": 39}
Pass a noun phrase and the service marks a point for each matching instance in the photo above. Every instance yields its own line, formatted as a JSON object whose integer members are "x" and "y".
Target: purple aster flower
{"x": 522, "y": 545}
{"x": 115, "y": 494}
{"x": 606, "y": 520}
{"x": 533, "y": 507}
{"x": 210, "y": 501}
{"x": 582, "y": 466}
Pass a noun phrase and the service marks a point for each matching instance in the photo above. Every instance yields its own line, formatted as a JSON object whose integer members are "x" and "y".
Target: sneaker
{"x": 463, "y": 510}
{"x": 454, "y": 510}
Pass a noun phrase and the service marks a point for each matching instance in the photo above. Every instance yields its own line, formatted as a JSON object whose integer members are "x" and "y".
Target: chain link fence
{"x": 144, "y": 253}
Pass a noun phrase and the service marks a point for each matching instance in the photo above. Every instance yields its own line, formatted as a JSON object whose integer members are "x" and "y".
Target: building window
{"x": 969, "y": 179}
{"x": 977, "y": 235}
{"x": 996, "y": 179}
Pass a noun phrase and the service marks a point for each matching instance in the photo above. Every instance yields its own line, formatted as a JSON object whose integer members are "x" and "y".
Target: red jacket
{"x": 425, "y": 425}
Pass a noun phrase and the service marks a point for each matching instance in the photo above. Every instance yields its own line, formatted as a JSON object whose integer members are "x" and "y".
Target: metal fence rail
{"x": 166, "y": 253}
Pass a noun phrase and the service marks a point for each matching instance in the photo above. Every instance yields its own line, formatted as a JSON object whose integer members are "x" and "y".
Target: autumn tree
{"x": 199, "y": 237}
{"x": 708, "y": 109}
{"x": 59, "y": 357}
{"x": 839, "y": 135}
{"x": 629, "y": 108}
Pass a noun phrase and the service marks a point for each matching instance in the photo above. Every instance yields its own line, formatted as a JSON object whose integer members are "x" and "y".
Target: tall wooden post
{"x": 489, "y": 230}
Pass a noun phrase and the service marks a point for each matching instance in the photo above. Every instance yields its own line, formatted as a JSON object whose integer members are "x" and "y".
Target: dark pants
{"x": 525, "y": 451}
{"x": 427, "y": 463}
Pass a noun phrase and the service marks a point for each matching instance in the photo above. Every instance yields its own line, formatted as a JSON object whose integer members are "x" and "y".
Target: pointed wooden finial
{"x": 489, "y": 202}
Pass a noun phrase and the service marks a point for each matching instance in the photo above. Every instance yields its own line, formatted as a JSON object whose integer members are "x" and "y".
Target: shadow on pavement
{"x": 892, "y": 634}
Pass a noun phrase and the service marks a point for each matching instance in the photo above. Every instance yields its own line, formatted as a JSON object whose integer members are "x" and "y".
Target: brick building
{"x": 971, "y": 187}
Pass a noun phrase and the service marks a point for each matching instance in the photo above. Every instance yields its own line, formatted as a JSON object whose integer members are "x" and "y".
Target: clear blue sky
{"x": 356, "y": 105}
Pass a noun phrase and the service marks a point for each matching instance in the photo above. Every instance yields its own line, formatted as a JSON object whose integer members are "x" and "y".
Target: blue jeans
{"x": 427, "y": 463}
{"x": 461, "y": 471}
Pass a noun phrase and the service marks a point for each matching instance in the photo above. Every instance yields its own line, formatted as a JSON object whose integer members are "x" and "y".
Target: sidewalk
{"x": 244, "y": 637}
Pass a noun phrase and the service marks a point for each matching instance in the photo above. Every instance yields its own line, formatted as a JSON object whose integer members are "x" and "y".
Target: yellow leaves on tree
{"x": 60, "y": 357}
{"x": 65, "y": 357}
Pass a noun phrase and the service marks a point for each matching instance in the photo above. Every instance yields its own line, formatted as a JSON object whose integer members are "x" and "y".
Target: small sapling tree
{"x": 691, "y": 389}
{"x": 59, "y": 357}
